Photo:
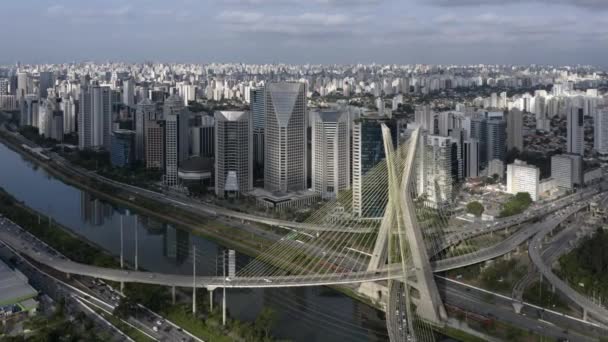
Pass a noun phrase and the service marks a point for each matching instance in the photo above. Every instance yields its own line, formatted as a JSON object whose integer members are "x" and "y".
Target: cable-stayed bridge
{"x": 392, "y": 254}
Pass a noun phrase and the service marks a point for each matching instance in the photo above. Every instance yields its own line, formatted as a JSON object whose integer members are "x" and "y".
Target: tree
{"x": 475, "y": 208}
{"x": 265, "y": 321}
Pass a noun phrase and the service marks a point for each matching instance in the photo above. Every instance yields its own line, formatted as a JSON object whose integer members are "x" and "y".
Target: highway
{"x": 507, "y": 245}
{"x": 534, "y": 250}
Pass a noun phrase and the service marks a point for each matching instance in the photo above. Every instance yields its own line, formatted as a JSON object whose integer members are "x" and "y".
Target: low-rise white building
{"x": 522, "y": 177}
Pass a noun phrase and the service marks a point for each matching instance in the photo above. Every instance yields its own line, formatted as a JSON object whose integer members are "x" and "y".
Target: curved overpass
{"x": 535, "y": 250}
{"x": 504, "y": 246}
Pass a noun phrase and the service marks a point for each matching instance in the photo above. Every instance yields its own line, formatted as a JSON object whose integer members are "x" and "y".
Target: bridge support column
{"x": 194, "y": 300}
{"x": 122, "y": 287}
{"x": 517, "y": 306}
{"x": 67, "y": 275}
{"x": 173, "y": 294}
{"x": 585, "y": 316}
{"x": 211, "y": 300}
{"x": 224, "y": 308}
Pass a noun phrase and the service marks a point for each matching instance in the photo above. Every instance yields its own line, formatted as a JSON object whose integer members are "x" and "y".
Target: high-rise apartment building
{"x": 601, "y": 132}
{"x": 286, "y": 124}
{"x": 575, "y": 131}
{"x": 566, "y": 170}
{"x": 233, "y": 157}
{"x": 330, "y": 152}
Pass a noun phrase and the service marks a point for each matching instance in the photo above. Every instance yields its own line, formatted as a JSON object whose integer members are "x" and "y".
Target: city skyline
{"x": 320, "y": 31}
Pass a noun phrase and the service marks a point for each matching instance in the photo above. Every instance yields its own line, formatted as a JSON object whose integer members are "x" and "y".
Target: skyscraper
{"x": 234, "y": 160}
{"x": 128, "y": 92}
{"x": 23, "y": 85}
{"x": 256, "y": 98}
{"x": 171, "y": 150}
{"x": 146, "y": 112}
{"x": 46, "y": 80}
{"x": 491, "y": 132}
{"x": 471, "y": 158}
{"x": 95, "y": 117}
{"x": 202, "y": 135}
{"x": 68, "y": 106}
{"x": 575, "y": 130}
{"x": 515, "y": 135}
{"x": 436, "y": 172}
{"x": 285, "y": 137}
{"x": 330, "y": 152}
{"x": 174, "y": 105}
{"x": 368, "y": 151}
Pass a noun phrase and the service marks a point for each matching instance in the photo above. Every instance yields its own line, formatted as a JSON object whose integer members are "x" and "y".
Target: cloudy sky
{"x": 306, "y": 31}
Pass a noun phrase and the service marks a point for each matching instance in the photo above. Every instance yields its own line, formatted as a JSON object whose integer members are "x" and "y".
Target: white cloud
{"x": 310, "y": 23}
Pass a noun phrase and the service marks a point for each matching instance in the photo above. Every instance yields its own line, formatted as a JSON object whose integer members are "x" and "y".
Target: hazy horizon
{"x": 559, "y": 32}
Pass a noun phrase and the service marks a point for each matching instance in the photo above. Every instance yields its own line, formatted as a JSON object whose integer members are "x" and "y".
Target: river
{"x": 304, "y": 314}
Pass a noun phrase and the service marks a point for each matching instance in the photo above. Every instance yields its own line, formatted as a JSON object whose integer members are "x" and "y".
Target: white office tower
{"x": 95, "y": 117}
{"x": 522, "y": 177}
{"x": 171, "y": 151}
{"x": 233, "y": 153}
{"x": 24, "y": 86}
{"x": 68, "y": 107}
{"x": 174, "y": 105}
{"x": 566, "y": 170}
{"x": 576, "y": 131}
{"x": 128, "y": 92}
{"x": 435, "y": 178}
{"x": 45, "y": 117}
{"x": 515, "y": 130}
{"x": 424, "y": 117}
{"x": 145, "y": 112}
{"x": 285, "y": 142}
{"x": 187, "y": 91}
{"x": 330, "y": 152}
{"x": 601, "y": 132}
{"x": 471, "y": 158}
